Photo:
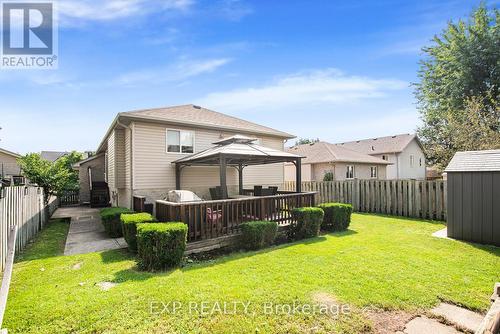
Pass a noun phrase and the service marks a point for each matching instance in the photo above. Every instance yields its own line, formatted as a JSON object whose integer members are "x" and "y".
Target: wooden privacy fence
{"x": 22, "y": 207}
{"x": 410, "y": 198}
{"x": 212, "y": 219}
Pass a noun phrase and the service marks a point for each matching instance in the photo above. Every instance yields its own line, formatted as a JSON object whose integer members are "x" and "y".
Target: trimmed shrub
{"x": 258, "y": 234}
{"x": 337, "y": 216}
{"x": 306, "y": 223}
{"x": 110, "y": 218}
{"x": 129, "y": 228}
{"x": 160, "y": 245}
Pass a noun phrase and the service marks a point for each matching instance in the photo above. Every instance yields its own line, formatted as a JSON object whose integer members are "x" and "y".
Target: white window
{"x": 412, "y": 160}
{"x": 420, "y": 162}
{"x": 384, "y": 157}
{"x": 179, "y": 141}
{"x": 349, "y": 172}
{"x": 373, "y": 172}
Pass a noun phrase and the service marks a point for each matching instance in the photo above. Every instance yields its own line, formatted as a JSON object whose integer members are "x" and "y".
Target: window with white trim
{"x": 384, "y": 157}
{"x": 420, "y": 162}
{"x": 349, "y": 174}
{"x": 180, "y": 141}
{"x": 412, "y": 160}
{"x": 373, "y": 172}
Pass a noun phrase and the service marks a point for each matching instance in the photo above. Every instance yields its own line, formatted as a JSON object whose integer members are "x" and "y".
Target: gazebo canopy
{"x": 237, "y": 151}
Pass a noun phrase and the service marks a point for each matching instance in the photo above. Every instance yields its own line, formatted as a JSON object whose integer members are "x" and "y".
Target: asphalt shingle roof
{"x": 325, "y": 152}
{"x": 475, "y": 161}
{"x": 389, "y": 144}
{"x": 195, "y": 115}
{"x": 52, "y": 155}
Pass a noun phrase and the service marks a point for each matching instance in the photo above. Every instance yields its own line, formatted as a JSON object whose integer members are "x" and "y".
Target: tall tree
{"x": 302, "y": 141}
{"x": 460, "y": 75}
{"x": 53, "y": 177}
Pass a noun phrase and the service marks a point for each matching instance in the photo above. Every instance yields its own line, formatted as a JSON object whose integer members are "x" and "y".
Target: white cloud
{"x": 98, "y": 10}
{"x": 304, "y": 89}
{"x": 180, "y": 71}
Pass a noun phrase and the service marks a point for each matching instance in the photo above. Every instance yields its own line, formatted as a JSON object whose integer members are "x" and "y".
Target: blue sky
{"x": 336, "y": 70}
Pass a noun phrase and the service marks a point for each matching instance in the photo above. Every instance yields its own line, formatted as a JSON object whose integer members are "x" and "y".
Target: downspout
{"x": 131, "y": 159}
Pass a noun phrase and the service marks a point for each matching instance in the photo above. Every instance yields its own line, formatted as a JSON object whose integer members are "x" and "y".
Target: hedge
{"x": 129, "y": 228}
{"x": 337, "y": 216}
{"x": 110, "y": 218}
{"x": 258, "y": 234}
{"x": 306, "y": 223}
{"x": 160, "y": 245}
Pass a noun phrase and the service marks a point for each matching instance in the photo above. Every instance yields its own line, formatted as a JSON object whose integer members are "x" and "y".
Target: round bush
{"x": 306, "y": 223}
{"x": 337, "y": 216}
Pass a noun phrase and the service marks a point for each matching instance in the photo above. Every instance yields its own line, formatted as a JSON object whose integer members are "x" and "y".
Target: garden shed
{"x": 474, "y": 196}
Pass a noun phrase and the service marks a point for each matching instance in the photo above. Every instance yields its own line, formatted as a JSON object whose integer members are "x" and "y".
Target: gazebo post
{"x": 298, "y": 175}
{"x": 240, "y": 179}
{"x": 223, "y": 171}
{"x": 177, "y": 177}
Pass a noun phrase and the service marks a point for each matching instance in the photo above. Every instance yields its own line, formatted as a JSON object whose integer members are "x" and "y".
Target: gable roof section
{"x": 52, "y": 155}
{"x": 388, "y": 144}
{"x": 475, "y": 161}
{"x": 325, "y": 152}
{"x": 195, "y": 116}
{"x": 4, "y": 151}
{"x": 190, "y": 114}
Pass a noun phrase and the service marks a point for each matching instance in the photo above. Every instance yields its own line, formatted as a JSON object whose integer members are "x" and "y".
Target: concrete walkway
{"x": 86, "y": 232}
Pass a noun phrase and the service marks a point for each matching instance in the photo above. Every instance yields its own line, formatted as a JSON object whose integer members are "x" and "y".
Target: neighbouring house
{"x": 323, "y": 158}
{"x": 136, "y": 155}
{"x": 92, "y": 177}
{"x": 473, "y": 179}
{"x": 52, "y": 155}
{"x": 404, "y": 152}
{"x": 9, "y": 168}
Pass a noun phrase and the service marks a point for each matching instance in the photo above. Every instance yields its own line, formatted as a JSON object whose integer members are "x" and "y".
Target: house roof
{"x": 325, "y": 152}
{"x": 81, "y": 162}
{"x": 4, "y": 151}
{"x": 475, "y": 161}
{"x": 238, "y": 150}
{"x": 195, "y": 116}
{"x": 52, "y": 155}
{"x": 388, "y": 144}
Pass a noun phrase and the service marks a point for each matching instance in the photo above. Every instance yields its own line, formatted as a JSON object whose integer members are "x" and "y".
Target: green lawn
{"x": 381, "y": 261}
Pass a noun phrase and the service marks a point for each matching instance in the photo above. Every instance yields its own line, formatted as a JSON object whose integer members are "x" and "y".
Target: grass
{"x": 381, "y": 261}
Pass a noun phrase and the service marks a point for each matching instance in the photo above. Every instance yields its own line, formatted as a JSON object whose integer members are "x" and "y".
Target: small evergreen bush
{"x": 160, "y": 245}
{"x": 129, "y": 227}
{"x": 337, "y": 216}
{"x": 110, "y": 218}
{"x": 258, "y": 234}
{"x": 306, "y": 223}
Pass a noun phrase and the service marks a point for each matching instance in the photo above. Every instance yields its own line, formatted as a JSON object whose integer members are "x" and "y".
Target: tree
{"x": 53, "y": 177}
{"x": 459, "y": 84}
{"x": 302, "y": 141}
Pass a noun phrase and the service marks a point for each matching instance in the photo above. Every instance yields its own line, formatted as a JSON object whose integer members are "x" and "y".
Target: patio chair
{"x": 274, "y": 190}
{"x": 213, "y": 194}
{"x": 257, "y": 190}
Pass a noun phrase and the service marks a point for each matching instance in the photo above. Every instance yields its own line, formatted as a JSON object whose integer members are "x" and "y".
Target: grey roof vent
{"x": 196, "y": 107}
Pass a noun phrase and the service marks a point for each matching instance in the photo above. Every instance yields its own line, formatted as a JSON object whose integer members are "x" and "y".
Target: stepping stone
{"x": 459, "y": 316}
{"x": 424, "y": 325}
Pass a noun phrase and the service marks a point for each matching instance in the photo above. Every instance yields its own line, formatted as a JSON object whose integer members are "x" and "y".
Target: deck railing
{"x": 212, "y": 219}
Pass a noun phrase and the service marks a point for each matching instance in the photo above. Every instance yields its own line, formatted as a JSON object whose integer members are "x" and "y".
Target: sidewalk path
{"x": 86, "y": 233}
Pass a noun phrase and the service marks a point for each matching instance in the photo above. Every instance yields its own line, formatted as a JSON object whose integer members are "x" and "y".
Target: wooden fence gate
{"x": 410, "y": 198}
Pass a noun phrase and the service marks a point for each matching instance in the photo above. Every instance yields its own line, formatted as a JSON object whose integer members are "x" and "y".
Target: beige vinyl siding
{"x": 128, "y": 158}
{"x": 8, "y": 165}
{"x": 361, "y": 171}
{"x": 153, "y": 168}
{"x": 111, "y": 162}
{"x": 120, "y": 169}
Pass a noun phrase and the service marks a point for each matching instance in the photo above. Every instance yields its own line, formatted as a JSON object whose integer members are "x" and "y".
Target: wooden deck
{"x": 213, "y": 219}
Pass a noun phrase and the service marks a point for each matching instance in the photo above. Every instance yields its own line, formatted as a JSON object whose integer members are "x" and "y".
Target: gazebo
{"x": 238, "y": 152}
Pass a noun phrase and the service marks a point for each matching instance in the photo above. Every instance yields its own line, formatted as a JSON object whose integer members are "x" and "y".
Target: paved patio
{"x": 86, "y": 232}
